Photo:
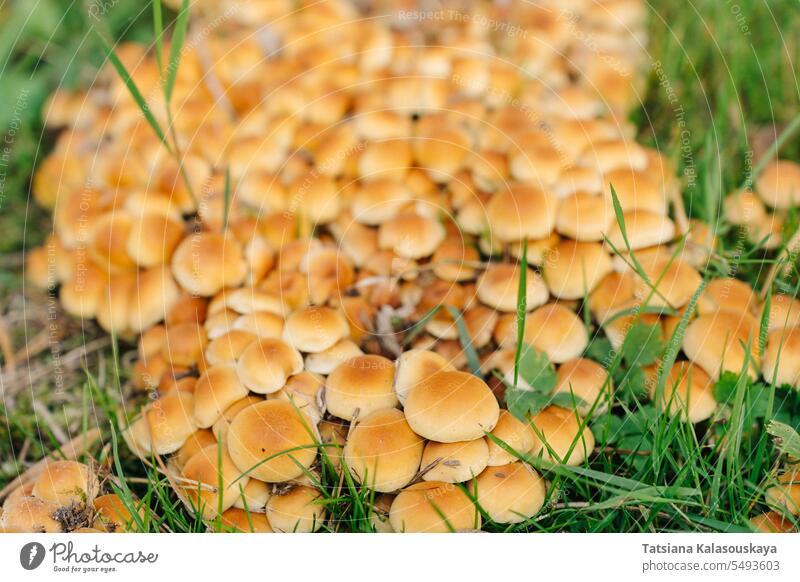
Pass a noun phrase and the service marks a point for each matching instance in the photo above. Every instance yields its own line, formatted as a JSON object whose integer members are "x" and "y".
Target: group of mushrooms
{"x": 348, "y": 192}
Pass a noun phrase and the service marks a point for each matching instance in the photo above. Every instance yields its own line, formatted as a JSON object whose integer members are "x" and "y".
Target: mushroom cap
{"x": 238, "y": 520}
{"x": 298, "y": 511}
{"x": 643, "y": 229}
{"x": 413, "y": 366}
{"x": 451, "y": 259}
{"x": 197, "y": 441}
{"x": 689, "y": 392}
{"x": 66, "y": 482}
{"x": 206, "y": 262}
{"x": 266, "y": 364}
{"x": 433, "y": 507}
{"x": 614, "y": 292}
{"x": 154, "y": 295}
{"x": 556, "y": 331}
{"x": 226, "y": 348}
{"x": 378, "y": 201}
{"x": 220, "y": 428}
{"x": 254, "y": 496}
{"x": 782, "y": 357}
{"x": 114, "y": 303}
{"x": 216, "y": 389}
{"x": 411, "y": 235}
{"x": 454, "y": 462}
{"x": 326, "y": 361}
{"x": 382, "y": 451}
{"x": 784, "y": 311}
{"x": 184, "y": 344}
{"x": 743, "y": 208}
{"x": 573, "y": 269}
{"x": 263, "y": 324}
{"x": 498, "y": 287}
{"x": 717, "y": 342}
{"x": 29, "y": 514}
{"x": 153, "y": 237}
{"x": 80, "y": 294}
{"x": 772, "y": 522}
{"x": 204, "y": 473}
{"x": 635, "y": 190}
{"x": 521, "y": 212}
{"x": 779, "y": 184}
{"x": 584, "y": 217}
{"x": 587, "y": 380}
{"x": 390, "y": 159}
{"x": 448, "y": 407}
{"x": 273, "y": 440}
{"x": 727, "y": 294}
{"x": 167, "y": 423}
{"x": 114, "y": 515}
{"x": 675, "y": 282}
{"x": 613, "y": 154}
{"x": 560, "y": 428}
{"x": 315, "y": 328}
{"x": 516, "y": 434}
{"x": 510, "y": 493}
{"x": 785, "y": 494}
{"x": 361, "y": 384}
{"x": 304, "y": 390}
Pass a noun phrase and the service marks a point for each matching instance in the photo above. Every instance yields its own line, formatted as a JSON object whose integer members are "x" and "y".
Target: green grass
{"x": 724, "y": 86}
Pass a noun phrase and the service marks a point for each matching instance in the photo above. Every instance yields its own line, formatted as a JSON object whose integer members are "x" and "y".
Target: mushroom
{"x": 433, "y": 507}
{"x": 521, "y": 212}
{"x": 297, "y": 511}
{"x": 779, "y": 184}
{"x": 510, "y": 493}
{"x": 642, "y": 229}
{"x": 411, "y": 235}
{"x": 253, "y": 496}
{"x": 517, "y": 435}
{"x": 220, "y": 428}
{"x": 113, "y": 515}
{"x": 722, "y": 342}
{"x": 30, "y": 514}
{"x": 216, "y": 389}
{"x": 359, "y": 386}
{"x": 203, "y": 475}
{"x": 688, "y": 393}
{"x": 314, "y": 329}
{"x": 206, "y": 262}
{"x": 782, "y": 357}
{"x": 413, "y": 366}
{"x": 272, "y": 441}
{"x": 727, "y": 294}
{"x": 498, "y": 287}
{"x": 382, "y": 451}
{"x": 556, "y": 331}
{"x": 573, "y": 269}
{"x": 454, "y": 462}
{"x": 237, "y": 520}
{"x": 153, "y": 296}
{"x": 66, "y": 482}
{"x": 561, "y": 430}
{"x": 166, "y": 423}
{"x": 266, "y": 364}
{"x": 588, "y": 381}
{"x": 326, "y": 361}
{"x": 448, "y": 407}
{"x": 584, "y": 217}
{"x": 784, "y": 311}
{"x": 785, "y": 494}
{"x": 772, "y": 522}
{"x": 226, "y": 348}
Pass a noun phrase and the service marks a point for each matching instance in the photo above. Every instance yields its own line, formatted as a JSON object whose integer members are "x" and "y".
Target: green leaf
{"x": 540, "y": 377}
{"x": 643, "y": 344}
{"x": 522, "y": 403}
{"x": 786, "y": 438}
{"x": 536, "y": 369}
{"x": 473, "y": 360}
{"x": 175, "y": 49}
{"x": 134, "y": 91}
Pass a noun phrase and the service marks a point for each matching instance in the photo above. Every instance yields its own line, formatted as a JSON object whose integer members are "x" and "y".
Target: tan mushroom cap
{"x": 216, "y": 389}
{"x": 220, "y": 428}
{"x": 166, "y": 423}
{"x": 588, "y": 381}
{"x": 452, "y": 260}
{"x": 584, "y": 217}
{"x": 238, "y": 520}
{"x": 114, "y": 515}
{"x": 613, "y": 154}
{"x": 784, "y": 311}
{"x": 29, "y": 514}
{"x": 521, "y": 212}
{"x": 360, "y": 385}
{"x": 114, "y": 303}
{"x": 390, "y": 159}
{"x": 454, "y": 462}
{"x": 688, "y": 391}
{"x": 643, "y": 229}
{"x": 635, "y": 190}
{"x": 80, "y": 294}
{"x": 272, "y": 440}
{"x": 304, "y": 391}
{"x": 184, "y": 344}
{"x": 560, "y": 429}
{"x": 556, "y": 331}
{"x": 66, "y": 482}
{"x": 413, "y": 366}
{"x": 743, "y": 208}
{"x": 433, "y": 507}
{"x": 226, "y": 348}
{"x": 153, "y": 237}
{"x": 382, "y": 451}
{"x": 411, "y": 235}
{"x": 573, "y": 269}
{"x": 782, "y": 357}
{"x": 326, "y": 361}
{"x": 718, "y": 342}
{"x": 263, "y": 324}
{"x": 772, "y": 522}
{"x": 202, "y": 476}
{"x": 779, "y": 184}
{"x": 768, "y": 232}
{"x": 300, "y": 510}
{"x": 727, "y": 294}
{"x": 675, "y": 282}
{"x": 315, "y": 328}
{"x": 379, "y": 201}
{"x": 197, "y": 441}
{"x": 206, "y": 262}
{"x": 510, "y": 493}
{"x": 254, "y": 496}
{"x": 154, "y": 295}
{"x": 785, "y": 494}
{"x": 266, "y": 364}
{"x": 451, "y": 406}
{"x": 614, "y": 292}
{"x": 498, "y": 287}
{"x": 514, "y": 433}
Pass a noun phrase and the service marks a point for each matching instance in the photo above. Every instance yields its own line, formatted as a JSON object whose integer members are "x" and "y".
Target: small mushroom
{"x": 360, "y": 385}
{"x": 454, "y": 462}
{"x": 300, "y": 510}
{"x": 510, "y": 493}
{"x": 433, "y": 507}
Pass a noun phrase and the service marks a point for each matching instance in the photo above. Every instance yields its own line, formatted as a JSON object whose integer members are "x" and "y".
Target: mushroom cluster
{"x": 362, "y": 196}
{"x": 66, "y": 497}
